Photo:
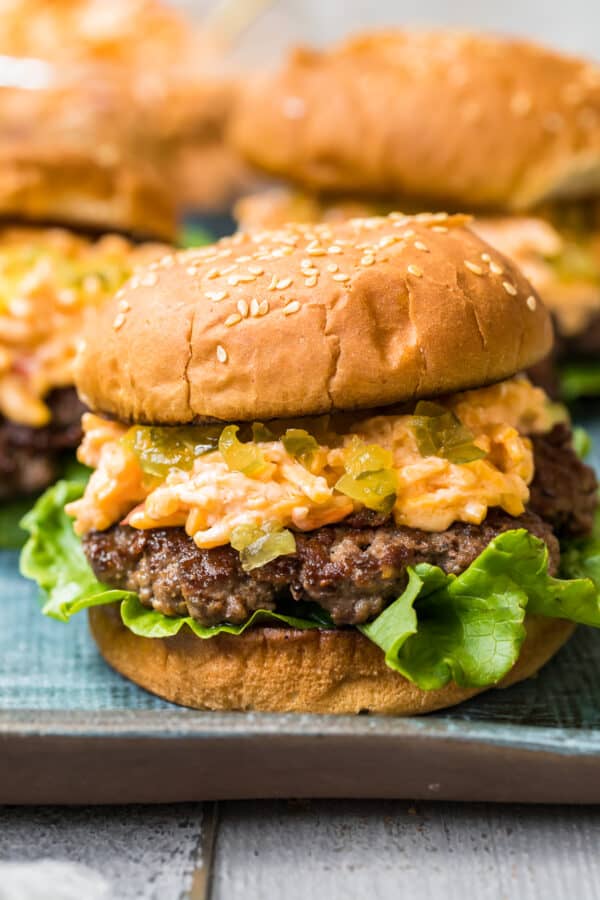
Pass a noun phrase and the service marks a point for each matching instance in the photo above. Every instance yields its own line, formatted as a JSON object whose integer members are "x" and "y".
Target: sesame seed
{"x": 124, "y": 306}
{"x": 216, "y": 296}
{"x": 243, "y": 259}
{"x": 335, "y": 249}
{"x": 333, "y": 267}
{"x": 233, "y": 319}
{"x": 496, "y": 269}
{"x": 256, "y": 270}
{"x": 263, "y": 308}
{"x": 221, "y": 353}
{"x": 473, "y": 267}
{"x": 311, "y": 281}
{"x": 531, "y": 302}
{"x": 254, "y": 307}
{"x": 242, "y": 306}
{"x": 409, "y": 233}
{"x": 315, "y": 250}
{"x": 273, "y": 283}
{"x": 486, "y": 257}
{"x": 191, "y": 270}
{"x": 292, "y": 307}
{"x": 306, "y": 263}
{"x": 509, "y": 288}
{"x": 389, "y": 239}
{"x": 283, "y": 283}
{"x": 233, "y": 280}
{"x": 440, "y": 229}
{"x": 367, "y": 260}
{"x": 419, "y": 245}
{"x": 213, "y": 273}
{"x": 341, "y": 276}
{"x": 228, "y": 269}
{"x": 414, "y": 270}
{"x": 119, "y": 321}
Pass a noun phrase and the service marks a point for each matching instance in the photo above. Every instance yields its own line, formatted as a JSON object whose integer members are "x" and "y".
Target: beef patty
{"x": 352, "y": 569}
{"x": 29, "y": 457}
{"x": 350, "y": 572}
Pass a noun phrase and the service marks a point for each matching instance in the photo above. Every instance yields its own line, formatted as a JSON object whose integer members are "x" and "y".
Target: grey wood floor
{"x": 277, "y": 849}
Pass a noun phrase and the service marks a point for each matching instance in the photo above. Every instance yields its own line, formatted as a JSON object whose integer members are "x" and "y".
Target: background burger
{"x": 319, "y": 483}
{"x": 410, "y": 120}
{"x": 168, "y": 75}
{"x": 78, "y": 213}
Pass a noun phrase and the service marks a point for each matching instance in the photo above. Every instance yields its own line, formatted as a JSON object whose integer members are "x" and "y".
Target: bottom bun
{"x": 287, "y": 670}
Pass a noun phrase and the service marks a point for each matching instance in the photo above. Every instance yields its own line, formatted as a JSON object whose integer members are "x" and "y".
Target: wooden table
{"x": 307, "y": 849}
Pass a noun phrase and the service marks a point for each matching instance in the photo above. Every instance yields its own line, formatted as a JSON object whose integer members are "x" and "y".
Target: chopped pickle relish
{"x": 252, "y": 486}
{"x": 48, "y": 276}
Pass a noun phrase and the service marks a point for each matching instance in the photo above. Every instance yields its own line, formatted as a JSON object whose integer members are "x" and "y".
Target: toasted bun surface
{"x": 469, "y": 119}
{"x": 297, "y": 322}
{"x": 285, "y": 670}
{"x": 91, "y": 188}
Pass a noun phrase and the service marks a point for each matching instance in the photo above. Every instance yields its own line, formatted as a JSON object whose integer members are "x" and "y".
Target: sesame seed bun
{"x": 96, "y": 188}
{"x": 286, "y": 670}
{"x": 472, "y": 120}
{"x": 300, "y": 321}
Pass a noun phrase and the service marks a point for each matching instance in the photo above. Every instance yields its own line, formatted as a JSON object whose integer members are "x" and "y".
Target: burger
{"x": 167, "y": 74}
{"x": 319, "y": 482}
{"x": 413, "y": 120}
{"x": 75, "y": 220}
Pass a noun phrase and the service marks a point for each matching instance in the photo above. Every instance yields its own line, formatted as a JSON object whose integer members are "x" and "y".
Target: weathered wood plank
{"x": 398, "y": 849}
{"x": 131, "y": 853}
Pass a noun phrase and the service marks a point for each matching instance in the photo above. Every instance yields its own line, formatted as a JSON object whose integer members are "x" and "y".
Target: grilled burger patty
{"x": 352, "y": 569}
{"x": 29, "y": 457}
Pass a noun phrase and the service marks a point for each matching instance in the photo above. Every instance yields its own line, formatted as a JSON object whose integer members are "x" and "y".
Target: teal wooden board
{"x": 55, "y": 687}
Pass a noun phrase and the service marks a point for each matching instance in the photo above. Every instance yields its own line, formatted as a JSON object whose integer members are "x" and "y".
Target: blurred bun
{"x": 96, "y": 189}
{"x": 468, "y": 119}
{"x": 284, "y": 670}
{"x": 299, "y": 321}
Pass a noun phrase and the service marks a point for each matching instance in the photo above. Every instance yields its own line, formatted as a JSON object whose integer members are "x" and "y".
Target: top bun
{"x": 307, "y": 319}
{"x": 461, "y": 118}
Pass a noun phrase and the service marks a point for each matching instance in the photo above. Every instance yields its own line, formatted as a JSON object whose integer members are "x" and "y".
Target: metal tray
{"x": 73, "y": 731}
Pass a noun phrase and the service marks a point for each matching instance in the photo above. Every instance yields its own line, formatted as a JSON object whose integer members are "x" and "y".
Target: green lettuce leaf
{"x": 469, "y": 628}
{"x": 153, "y": 624}
{"x": 582, "y": 442}
{"x": 12, "y": 535}
{"x": 580, "y": 379}
{"x": 580, "y": 558}
{"x": 194, "y": 236}
{"x": 53, "y": 556}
